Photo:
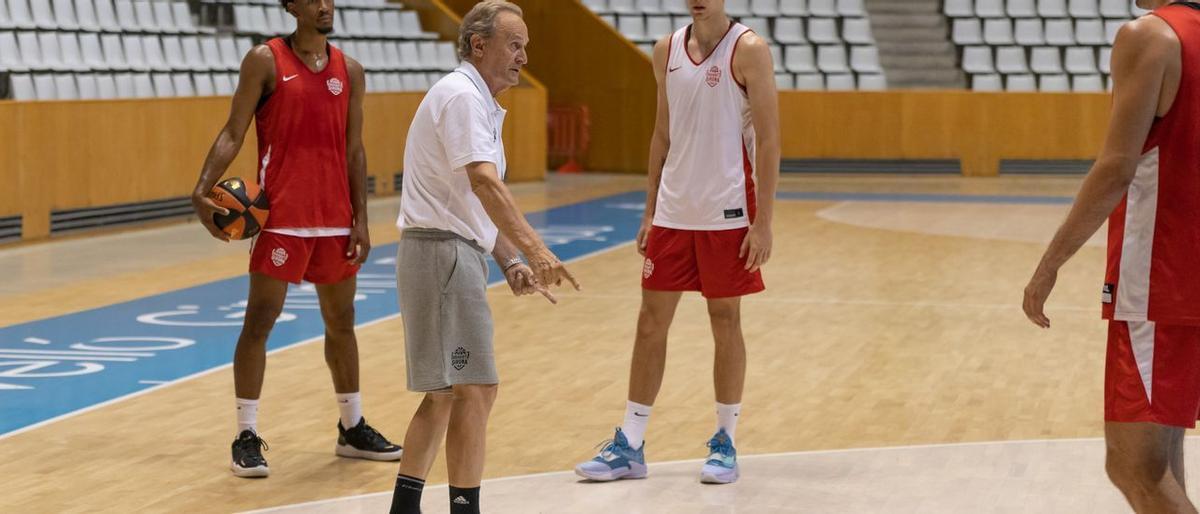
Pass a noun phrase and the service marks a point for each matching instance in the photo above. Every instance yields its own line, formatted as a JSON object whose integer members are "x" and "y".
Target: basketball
{"x": 247, "y": 208}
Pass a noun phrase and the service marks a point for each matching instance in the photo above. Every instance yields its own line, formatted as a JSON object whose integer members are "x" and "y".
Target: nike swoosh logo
{"x": 640, "y": 415}
{"x": 673, "y": 69}
{"x": 285, "y": 79}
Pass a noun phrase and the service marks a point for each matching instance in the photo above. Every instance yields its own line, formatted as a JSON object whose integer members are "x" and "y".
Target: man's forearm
{"x": 502, "y": 209}
{"x": 504, "y": 251}
{"x": 357, "y": 171}
{"x": 1099, "y": 195}
{"x": 767, "y": 166}
{"x": 220, "y": 155}
{"x": 658, "y": 158}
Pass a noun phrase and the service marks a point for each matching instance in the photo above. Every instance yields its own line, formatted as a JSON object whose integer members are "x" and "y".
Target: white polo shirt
{"x": 458, "y": 122}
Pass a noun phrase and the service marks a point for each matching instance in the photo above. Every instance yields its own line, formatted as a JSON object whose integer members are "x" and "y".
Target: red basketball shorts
{"x": 320, "y": 260}
{"x": 1152, "y": 373}
{"x": 698, "y": 260}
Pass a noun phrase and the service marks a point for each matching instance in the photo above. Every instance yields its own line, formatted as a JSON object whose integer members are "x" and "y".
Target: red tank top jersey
{"x": 1153, "y": 271}
{"x": 302, "y": 142}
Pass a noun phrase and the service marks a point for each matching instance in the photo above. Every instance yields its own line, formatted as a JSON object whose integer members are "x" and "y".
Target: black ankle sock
{"x": 464, "y": 501}
{"x": 407, "y": 497}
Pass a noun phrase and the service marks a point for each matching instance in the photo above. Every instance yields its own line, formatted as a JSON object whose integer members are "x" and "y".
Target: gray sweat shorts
{"x": 441, "y": 279}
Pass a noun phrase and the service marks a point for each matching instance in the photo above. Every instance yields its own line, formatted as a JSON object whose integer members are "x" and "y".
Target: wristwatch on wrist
{"x": 510, "y": 263}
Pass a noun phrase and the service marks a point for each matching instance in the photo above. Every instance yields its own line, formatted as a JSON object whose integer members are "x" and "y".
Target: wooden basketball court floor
{"x": 890, "y": 370}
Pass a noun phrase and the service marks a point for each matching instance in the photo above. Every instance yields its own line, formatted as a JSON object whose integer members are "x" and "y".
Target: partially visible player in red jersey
{"x": 306, "y": 99}
{"x": 1147, "y": 183}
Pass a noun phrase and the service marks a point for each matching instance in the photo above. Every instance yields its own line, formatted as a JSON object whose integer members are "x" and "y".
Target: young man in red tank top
{"x": 719, "y": 259}
{"x": 306, "y": 98}
{"x": 1146, "y": 182}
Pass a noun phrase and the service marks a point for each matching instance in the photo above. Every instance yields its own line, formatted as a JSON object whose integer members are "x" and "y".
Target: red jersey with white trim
{"x": 302, "y": 143}
{"x": 1153, "y": 269}
{"x": 708, "y": 177}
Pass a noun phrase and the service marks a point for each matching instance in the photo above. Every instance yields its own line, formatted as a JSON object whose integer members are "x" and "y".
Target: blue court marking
{"x": 56, "y": 366}
{"x": 925, "y": 198}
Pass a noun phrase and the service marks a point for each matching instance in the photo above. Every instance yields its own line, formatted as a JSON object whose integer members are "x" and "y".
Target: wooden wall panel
{"x": 66, "y": 155}
{"x": 583, "y": 61}
{"x": 978, "y": 128}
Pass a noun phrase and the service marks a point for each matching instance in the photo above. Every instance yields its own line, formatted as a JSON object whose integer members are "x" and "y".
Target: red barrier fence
{"x": 567, "y": 131}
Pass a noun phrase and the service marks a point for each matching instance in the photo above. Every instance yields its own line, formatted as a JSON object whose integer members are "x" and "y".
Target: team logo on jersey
{"x": 459, "y": 357}
{"x": 334, "y": 85}
{"x": 647, "y": 268}
{"x": 713, "y": 76}
{"x": 279, "y": 256}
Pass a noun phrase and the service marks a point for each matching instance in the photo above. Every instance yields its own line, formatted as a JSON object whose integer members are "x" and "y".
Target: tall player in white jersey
{"x": 707, "y": 226}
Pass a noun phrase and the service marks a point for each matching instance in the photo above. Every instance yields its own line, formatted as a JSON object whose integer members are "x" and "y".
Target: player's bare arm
{"x": 359, "y": 245}
{"x": 502, "y": 209}
{"x": 753, "y": 67}
{"x": 1146, "y": 50}
{"x": 256, "y": 79}
{"x": 660, "y": 141}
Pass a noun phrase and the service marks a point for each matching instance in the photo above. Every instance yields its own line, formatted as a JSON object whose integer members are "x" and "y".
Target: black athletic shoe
{"x": 248, "y": 461}
{"x": 364, "y": 442}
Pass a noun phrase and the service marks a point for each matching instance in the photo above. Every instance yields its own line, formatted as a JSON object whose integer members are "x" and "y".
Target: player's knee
{"x": 476, "y": 394}
{"x": 1138, "y": 472}
{"x": 339, "y": 319}
{"x": 259, "y": 320}
{"x": 724, "y": 313}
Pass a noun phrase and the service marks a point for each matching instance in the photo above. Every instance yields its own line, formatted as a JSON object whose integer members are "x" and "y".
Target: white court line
{"x": 686, "y": 461}
{"x": 277, "y": 350}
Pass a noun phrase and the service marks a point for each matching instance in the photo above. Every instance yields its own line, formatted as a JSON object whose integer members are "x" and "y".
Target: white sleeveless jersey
{"x": 708, "y": 178}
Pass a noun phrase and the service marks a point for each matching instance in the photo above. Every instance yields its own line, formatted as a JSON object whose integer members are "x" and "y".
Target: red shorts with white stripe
{"x": 320, "y": 260}
{"x": 1152, "y": 373}
{"x": 698, "y": 260}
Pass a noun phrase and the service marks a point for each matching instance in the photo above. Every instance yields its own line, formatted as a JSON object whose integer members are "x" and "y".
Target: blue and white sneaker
{"x": 616, "y": 460}
{"x": 721, "y": 466}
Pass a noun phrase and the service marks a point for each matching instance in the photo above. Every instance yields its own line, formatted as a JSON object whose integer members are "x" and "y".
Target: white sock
{"x": 350, "y": 408}
{"x": 727, "y": 418}
{"x": 247, "y": 415}
{"x": 637, "y": 416}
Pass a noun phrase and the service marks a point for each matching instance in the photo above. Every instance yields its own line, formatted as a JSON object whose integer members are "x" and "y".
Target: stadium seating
{"x": 817, "y": 44}
{"x": 1037, "y": 45}
{"x": 100, "y": 49}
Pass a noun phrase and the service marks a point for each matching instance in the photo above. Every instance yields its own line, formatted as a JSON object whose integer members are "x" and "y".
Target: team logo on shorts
{"x": 713, "y": 76}
{"x": 458, "y": 359}
{"x": 334, "y": 85}
{"x": 279, "y": 256}
{"x": 647, "y": 268}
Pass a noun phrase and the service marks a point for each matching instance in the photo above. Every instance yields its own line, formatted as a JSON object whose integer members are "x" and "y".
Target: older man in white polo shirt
{"x": 454, "y": 208}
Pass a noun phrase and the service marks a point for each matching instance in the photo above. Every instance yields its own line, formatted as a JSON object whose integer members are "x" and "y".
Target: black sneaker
{"x": 363, "y": 442}
{"x": 248, "y": 461}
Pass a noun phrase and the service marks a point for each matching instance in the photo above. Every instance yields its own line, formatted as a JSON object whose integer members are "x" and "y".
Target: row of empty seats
{"x": 159, "y": 16}
{"x": 347, "y": 23}
{"x": 102, "y": 86}
{"x": 358, "y": 4}
{"x": 1037, "y": 45}
{"x": 86, "y": 51}
{"x": 815, "y": 44}
{"x": 1042, "y": 83}
{"x": 1034, "y": 31}
{"x": 1042, "y": 8}
{"x": 784, "y": 30}
{"x": 401, "y": 55}
{"x": 831, "y": 82}
{"x": 736, "y": 8}
{"x": 1042, "y": 60}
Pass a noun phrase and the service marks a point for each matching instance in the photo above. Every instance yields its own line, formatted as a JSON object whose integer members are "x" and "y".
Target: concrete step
{"x": 919, "y": 48}
{"x": 903, "y": 6}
